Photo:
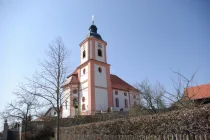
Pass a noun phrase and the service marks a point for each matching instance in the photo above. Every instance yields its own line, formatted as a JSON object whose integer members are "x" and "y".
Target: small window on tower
{"x": 83, "y": 71}
{"x": 99, "y": 69}
{"x": 84, "y": 54}
{"x": 99, "y": 52}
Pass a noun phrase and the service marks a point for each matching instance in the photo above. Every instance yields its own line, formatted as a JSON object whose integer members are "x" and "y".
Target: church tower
{"x": 94, "y": 73}
{"x": 91, "y": 87}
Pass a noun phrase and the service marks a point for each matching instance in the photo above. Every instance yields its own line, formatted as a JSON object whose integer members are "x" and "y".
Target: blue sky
{"x": 145, "y": 38}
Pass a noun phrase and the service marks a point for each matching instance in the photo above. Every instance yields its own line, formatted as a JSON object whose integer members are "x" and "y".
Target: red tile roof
{"x": 72, "y": 79}
{"x": 198, "y": 92}
{"x": 118, "y": 83}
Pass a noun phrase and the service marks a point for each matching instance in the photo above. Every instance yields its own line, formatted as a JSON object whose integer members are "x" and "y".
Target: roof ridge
{"x": 199, "y": 85}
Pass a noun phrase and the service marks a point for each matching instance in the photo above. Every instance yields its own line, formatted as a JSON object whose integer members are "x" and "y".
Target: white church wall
{"x": 84, "y": 76}
{"x": 91, "y": 53}
{"x": 66, "y": 107}
{"x": 101, "y": 99}
{"x": 84, "y": 93}
{"x": 74, "y": 112}
{"x": 83, "y": 85}
{"x": 82, "y": 48}
{"x": 99, "y": 58}
{"x": 121, "y": 98}
{"x": 100, "y": 78}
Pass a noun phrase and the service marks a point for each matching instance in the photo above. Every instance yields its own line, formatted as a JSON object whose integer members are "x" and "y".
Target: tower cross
{"x": 93, "y": 19}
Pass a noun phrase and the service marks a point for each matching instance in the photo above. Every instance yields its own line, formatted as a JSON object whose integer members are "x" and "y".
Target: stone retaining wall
{"x": 193, "y": 121}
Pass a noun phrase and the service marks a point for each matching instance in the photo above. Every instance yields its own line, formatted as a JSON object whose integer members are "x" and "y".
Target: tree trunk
{"x": 58, "y": 112}
{"x": 58, "y": 124}
{"x": 26, "y": 125}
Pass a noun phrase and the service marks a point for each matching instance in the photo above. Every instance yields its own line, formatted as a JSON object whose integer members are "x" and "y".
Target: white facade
{"x": 91, "y": 51}
{"x": 66, "y": 105}
{"x": 95, "y": 83}
{"x": 84, "y": 95}
{"x": 101, "y": 99}
{"x": 121, "y": 97}
{"x": 84, "y": 85}
{"x": 100, "y": 77}
{"x": 99, "y": 46}
{"x": 84, "y": 73}
{"x": 84, "y": 48}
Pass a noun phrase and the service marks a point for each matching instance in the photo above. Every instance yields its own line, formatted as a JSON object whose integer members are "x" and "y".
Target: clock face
{"x": 99, "y": 45}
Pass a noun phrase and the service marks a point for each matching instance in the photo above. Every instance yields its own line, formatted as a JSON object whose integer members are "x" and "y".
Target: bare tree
{"x": 151, "y": 96}
{"x": 155, "y": 97}
{"x": 181, "y": 96}
{"x": 48, "y": 81}
{"x": 21, "y": 109}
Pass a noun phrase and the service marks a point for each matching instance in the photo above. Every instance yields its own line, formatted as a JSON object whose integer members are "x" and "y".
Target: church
{"x": 91, "y": 88}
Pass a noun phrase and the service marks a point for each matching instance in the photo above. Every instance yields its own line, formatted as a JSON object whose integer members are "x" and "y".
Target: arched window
{"x": 99, "y": 52}
{"x": 75, "y": 103}
{"x": 116, "y": 92}
{"x": 99, "y": 69}
{"x": 83, "y": 99}
{"x": 83, "y": 106}
{"x": 84, "y": 54}
{"x": 117, "y": 102}
{"x": 83, "y": 71}
{"x": 126, "y": 103}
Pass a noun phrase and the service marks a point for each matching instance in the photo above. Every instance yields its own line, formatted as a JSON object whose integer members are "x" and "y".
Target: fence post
{"x": 173, "y": 137}
{"x": 195, "y": 136}
{"x": 205, "y": 137}
{"x": 168, "y": 137}
{"x": 188, "y": 137}
{"x": 200, "y": 137}
{"x": 176, "y": 136}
